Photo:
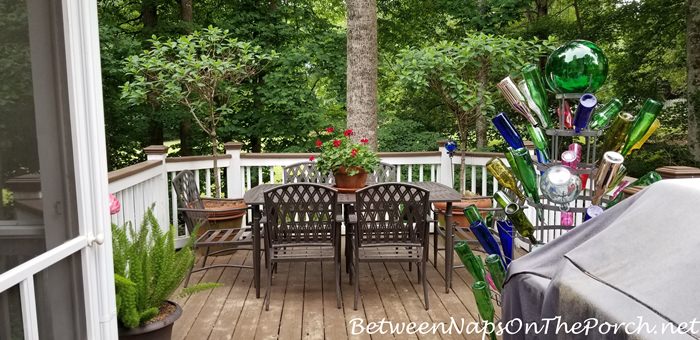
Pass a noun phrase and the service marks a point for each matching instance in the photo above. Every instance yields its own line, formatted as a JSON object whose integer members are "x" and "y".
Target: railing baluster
{"x": 260, "y": 175}
{"x": 420, "y": 172}
{"x": 409, "y": 178}
{"x": 495, "y": 185}
{"x": 173, "y": 203}
{"x": 398, "y": 173}
{"x": 433, "y": 168}
{"x": 207, "y": 182}
{"x": 473, "y": 181}
{"x": 247, "y": 177}
{"x": 196, "y": 180}
{"x": 484, "y": 187}
{"x": 28, "y": 303}
{"x": 272, "y": 175}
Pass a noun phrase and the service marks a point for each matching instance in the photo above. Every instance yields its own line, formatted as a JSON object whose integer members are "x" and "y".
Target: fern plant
{"x": 148, "y": 269}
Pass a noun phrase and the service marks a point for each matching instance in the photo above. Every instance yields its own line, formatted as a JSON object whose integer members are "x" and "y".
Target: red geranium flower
{"x": 364, "y": 140}
{"x": 318, "y": 143}
{"x": 336, "y": 142}
{"x": 312, "y": 158}
{"x": 348, "y": 132}
{"x": 353, "y": 153}
{"x": 330, "y": 129}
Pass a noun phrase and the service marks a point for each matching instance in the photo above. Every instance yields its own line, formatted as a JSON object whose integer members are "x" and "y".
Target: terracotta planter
{"x": 161, "y": 329}
{"x": 343, "y": 181}
{"x": 458, "y": 209}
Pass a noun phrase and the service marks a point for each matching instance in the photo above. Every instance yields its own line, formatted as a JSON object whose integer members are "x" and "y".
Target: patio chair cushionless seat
{"x": 301, "y": 225}
{"x": 391, "y": 226}
{"x": 197, "y": 216}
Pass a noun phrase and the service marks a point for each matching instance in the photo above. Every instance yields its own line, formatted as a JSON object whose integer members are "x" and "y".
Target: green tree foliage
{"x": 462, "y": 74}
{"x": 201, "y": 72}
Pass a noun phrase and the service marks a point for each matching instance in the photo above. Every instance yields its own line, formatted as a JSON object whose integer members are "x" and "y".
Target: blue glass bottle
{"x": 507, "y": 130}
{"x": 487, "y": 241}
{"x": 505, "y": 234}
{"x": 584, "y": 110}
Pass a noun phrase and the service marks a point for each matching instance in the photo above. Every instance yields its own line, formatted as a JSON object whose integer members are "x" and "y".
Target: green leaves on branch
{"x": 463, "y": 74}
{"x": 202, "y": 71}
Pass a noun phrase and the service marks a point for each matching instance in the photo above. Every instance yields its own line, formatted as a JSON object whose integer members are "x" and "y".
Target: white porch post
{"x": 159, "y": 153}
{"x": 446, "y": 172}
{"x": 81, "y": 34}
{"x": 233, "y": 174}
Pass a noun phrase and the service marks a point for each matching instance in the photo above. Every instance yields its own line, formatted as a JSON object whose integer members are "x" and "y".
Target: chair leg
{"x": 356, "y": 272}
{"x": 206, "y": 256}
{"x": 435, "y": 243}
{"x": 269, "y": 282}
{"x": 187, "y": 280}
{"x": 425, "y": 284}
{"x": 337, "y": 282}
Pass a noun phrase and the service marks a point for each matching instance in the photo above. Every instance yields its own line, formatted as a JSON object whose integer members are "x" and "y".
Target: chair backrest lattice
{"x": 391, "y": 213}
{"x": 383, "y": 173}
{"x": 305, "y": 172}
{"x": 188, "y": 197}
{"x": 300, "y": 213}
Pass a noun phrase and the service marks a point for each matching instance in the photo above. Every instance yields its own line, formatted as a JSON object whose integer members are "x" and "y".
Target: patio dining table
{"x": 438, "y": 193}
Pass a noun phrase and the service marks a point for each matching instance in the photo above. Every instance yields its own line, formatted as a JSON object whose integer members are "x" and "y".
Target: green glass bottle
{"x": 498, "y": 272}
{"x": 502, "y": 199}
{"x": 471, "y": 262}
{"x": 472, "y": 214}
{"x": 647, "y": 179}
{"x": 647, "y": 116}
{"x": 535, "y": 87}
{"x": 602, "y": 118}
{"x": 511, "y": 162}
{"x": 504, "y": 176}
{"x": 616, "y": 134}
{"x": 528, "y": 175}
{"x": 521, "y": 223}
{"x": 654, "y": 126}
{"x": 538, "y": 138}
{"x": 482, "y": 295}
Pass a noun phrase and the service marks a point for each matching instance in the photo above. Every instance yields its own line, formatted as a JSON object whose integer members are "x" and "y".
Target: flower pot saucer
{"x": 348, "y": 190}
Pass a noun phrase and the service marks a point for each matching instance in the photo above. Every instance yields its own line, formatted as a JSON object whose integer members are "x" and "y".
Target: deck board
{"x": 303, "y": 304}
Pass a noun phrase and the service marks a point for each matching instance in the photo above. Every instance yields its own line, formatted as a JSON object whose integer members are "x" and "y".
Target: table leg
{"x": 449, "y": 247}
{"x": 256, "y": 249}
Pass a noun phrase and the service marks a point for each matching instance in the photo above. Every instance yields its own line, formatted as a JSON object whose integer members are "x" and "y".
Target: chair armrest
{"x": 210, "y": 211}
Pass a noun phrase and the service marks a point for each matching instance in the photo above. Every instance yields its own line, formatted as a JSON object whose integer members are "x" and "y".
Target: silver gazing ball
{"x": 560, "y": 185}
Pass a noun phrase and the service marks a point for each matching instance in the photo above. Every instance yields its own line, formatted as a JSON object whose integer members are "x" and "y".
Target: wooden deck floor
{"x": 303, "y": 304}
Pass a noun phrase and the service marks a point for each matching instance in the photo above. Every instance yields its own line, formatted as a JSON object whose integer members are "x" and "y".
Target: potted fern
{"x": 147, "y": 270}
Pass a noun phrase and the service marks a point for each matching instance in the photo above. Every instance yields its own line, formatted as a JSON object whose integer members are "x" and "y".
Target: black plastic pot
{"x": 159, "y": 330}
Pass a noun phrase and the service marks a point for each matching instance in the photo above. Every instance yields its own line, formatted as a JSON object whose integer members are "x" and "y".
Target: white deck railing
{"x": 148, "y": 183}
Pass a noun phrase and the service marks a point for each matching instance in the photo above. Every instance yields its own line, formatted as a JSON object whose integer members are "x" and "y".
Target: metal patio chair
{"x": 391, "y": 226}
{"x": 305, "y": 172}
{"x": 301, "y": 225}
{"x": 196, "y": 217}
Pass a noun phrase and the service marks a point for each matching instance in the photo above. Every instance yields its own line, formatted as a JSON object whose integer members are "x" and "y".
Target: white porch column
{"x": 233, "y": 173}
{"x": 159, "y": 153}
{"x": 446, "y": 172}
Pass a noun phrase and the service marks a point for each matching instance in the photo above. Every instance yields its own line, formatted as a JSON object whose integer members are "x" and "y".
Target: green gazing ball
{"x": 578, "y": 66}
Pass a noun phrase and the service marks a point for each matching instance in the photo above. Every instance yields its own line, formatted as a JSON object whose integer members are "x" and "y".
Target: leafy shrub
{"x": 148, "y": 269}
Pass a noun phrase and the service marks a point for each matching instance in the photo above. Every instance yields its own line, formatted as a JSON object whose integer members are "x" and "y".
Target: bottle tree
{"x": 202, "y": 72}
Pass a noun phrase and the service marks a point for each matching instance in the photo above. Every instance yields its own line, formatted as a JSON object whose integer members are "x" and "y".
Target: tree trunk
{"x": 693, "y": 60}
{"x": 185, "y": 131}
{"x": 149, "y": 16}
{"x": 362, "y": 59}
{"x": 479, "y": 113}
{"x": 215, "y": 153}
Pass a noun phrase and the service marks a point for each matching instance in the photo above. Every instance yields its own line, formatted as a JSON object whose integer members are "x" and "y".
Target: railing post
{"x": 446, "y": 172}
{"x": 233, "y": 174}
{"x": 159, "y": 153}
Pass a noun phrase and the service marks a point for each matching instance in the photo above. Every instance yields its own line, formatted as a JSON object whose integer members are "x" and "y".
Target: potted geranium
{"x": 147, "y": 271}
{"x": 348, "y": 161}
